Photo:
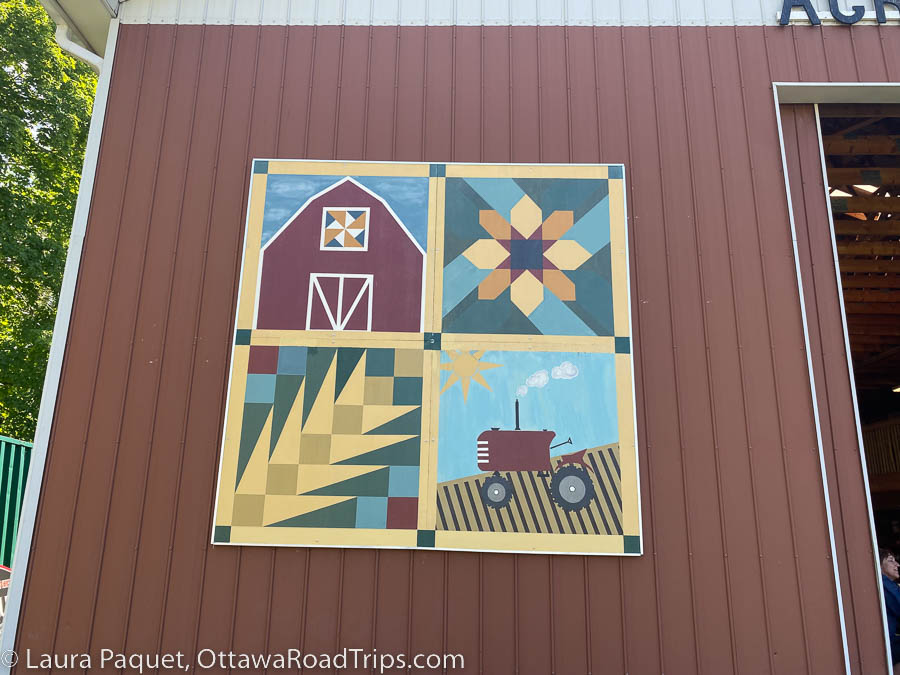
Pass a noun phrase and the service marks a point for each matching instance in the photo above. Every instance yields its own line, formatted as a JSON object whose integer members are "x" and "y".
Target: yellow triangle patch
{"x": 287, "y": 449}
{"x": 282, "y": 507}
{"x": 314, "y": 476}
{"x": 375, "y": 415}
{"x": 354, "y": 388}
{"x": 253, "y": 481}
{"x": 322, "y": 413}
{"x": 350, "y": 445}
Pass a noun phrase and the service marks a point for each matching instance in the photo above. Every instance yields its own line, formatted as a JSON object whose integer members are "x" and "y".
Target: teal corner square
{"x": 242, "y": 336}
{"x": 425, "y": 538}
{"x": 623, "y": 345}
{"x": 632, "y": 544}
{"x": 615, "y": 171}
{"x": 437, "y": 170}
{"x": 260, "y": 166}
{"x": 222, "y": 534}
{"x": 407, "y": 390}
{"x": 379, "y": 362}
{"x": 433, "y": 341}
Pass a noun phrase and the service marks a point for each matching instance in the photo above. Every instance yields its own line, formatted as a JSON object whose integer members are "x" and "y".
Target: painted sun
{"x": 465, "y": 367}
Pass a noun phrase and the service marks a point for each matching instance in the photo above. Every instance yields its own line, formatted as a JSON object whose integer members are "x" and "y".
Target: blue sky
{"x": 582, "y": 406}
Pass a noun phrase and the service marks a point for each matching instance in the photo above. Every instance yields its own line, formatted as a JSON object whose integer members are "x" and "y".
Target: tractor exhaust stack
{"x": 517, "y": 415}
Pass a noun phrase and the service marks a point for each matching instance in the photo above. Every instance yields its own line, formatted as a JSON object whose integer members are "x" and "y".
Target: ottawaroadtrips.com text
{"x": 292, "y": 659}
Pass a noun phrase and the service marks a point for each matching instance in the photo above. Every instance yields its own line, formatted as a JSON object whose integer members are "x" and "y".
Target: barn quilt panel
{"x": 432, "y": 356}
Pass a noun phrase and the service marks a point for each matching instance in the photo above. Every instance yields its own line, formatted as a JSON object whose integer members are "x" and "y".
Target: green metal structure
{"x": 15, "y": 456}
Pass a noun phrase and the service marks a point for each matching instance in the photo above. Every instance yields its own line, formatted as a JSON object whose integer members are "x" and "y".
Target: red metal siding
{"x": 736, "y": 572}
{"x": 860, "y": 584}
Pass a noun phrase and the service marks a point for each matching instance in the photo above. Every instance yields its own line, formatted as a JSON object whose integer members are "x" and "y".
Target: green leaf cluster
{"x": 45, "y": 109}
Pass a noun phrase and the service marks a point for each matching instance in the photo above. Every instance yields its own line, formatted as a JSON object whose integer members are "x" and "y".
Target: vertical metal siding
{"x": 735, "y": 574}
{"x": 857, "y": 565}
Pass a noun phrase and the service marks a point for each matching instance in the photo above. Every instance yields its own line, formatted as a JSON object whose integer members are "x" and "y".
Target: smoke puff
{"x": 564, "y": 371}
{"x": 538, "y": 379}
{"x": 522, "y": 390}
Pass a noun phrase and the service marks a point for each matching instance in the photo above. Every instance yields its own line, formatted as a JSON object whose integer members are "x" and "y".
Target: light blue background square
{"x": 404, "y": 481}
{"x": 292, "y": 360}
{"x": 371, "y": 512}
{"x": 260, "y": 388}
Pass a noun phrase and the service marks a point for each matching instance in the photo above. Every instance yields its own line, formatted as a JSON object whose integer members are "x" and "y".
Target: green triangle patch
{"x": 318, "y": 360}
{"x": 336, "y": 515}
{"x": 255, "y": 416}
{"x": 372, "y": 484}
{"x": 347, "y": 359}
{"x": 286, "y": 388}
{"x": 410, "y": 423}
{"x": 404, "y": 453}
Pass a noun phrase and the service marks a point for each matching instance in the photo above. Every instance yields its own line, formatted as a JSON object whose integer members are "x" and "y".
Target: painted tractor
{"x": 520, "y": 450}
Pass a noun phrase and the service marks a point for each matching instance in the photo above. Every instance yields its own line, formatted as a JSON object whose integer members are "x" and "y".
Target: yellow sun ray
{"x": 465, "y": 367}
{"x": 479, "y": 378}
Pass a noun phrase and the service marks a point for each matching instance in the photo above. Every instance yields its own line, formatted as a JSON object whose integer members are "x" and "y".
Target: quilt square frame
{"x": 335, "y": 437}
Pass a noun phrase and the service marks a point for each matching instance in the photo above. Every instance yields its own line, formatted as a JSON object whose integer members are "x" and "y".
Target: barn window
{"x": 345, "y": 228}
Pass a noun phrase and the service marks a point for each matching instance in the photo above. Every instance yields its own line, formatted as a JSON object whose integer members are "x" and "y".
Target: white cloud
{"x": 564, "y": 371}
{"x": 538, "y": 379}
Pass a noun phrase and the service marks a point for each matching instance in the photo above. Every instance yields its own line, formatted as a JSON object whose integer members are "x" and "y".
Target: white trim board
{"x": 475, "y": 12}
{"x": 836, "y": 92}
{"x": 816, "y": 93}
{"x": 57, "y": 351}
{"x": 812, "y": 387}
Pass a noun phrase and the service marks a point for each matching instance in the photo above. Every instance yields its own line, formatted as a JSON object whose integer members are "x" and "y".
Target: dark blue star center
{"x": 526, "y": 254}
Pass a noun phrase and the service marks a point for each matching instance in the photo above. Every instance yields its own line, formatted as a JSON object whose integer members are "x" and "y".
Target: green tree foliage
{"x": 45, "y": 109}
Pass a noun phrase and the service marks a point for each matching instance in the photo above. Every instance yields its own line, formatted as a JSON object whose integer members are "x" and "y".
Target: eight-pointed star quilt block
{"x": 527, "y": 256}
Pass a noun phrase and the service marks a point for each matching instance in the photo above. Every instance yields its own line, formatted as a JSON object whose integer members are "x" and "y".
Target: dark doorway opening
{"x": 862, "y": 157}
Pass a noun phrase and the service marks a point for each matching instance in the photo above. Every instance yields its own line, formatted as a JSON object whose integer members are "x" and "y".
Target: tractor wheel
{"x": 496, "y": 491}
{"x": 571, "y": 487}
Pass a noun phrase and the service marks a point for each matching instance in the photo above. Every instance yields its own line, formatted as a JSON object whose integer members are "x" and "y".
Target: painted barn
{"x": 344, "y": 261}
{"x": 754, "y": 147}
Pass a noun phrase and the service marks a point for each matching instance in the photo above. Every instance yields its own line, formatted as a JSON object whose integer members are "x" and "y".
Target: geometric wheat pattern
{"x": 330, "y": 438}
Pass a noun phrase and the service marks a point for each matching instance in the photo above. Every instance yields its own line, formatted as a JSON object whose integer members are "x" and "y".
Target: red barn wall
{"x": 737, "y": 569}
{"x": 832, "y": 377}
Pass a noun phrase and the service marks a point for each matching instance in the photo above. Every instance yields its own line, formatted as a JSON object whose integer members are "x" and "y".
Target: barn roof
{"x": 329, "y": 189}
